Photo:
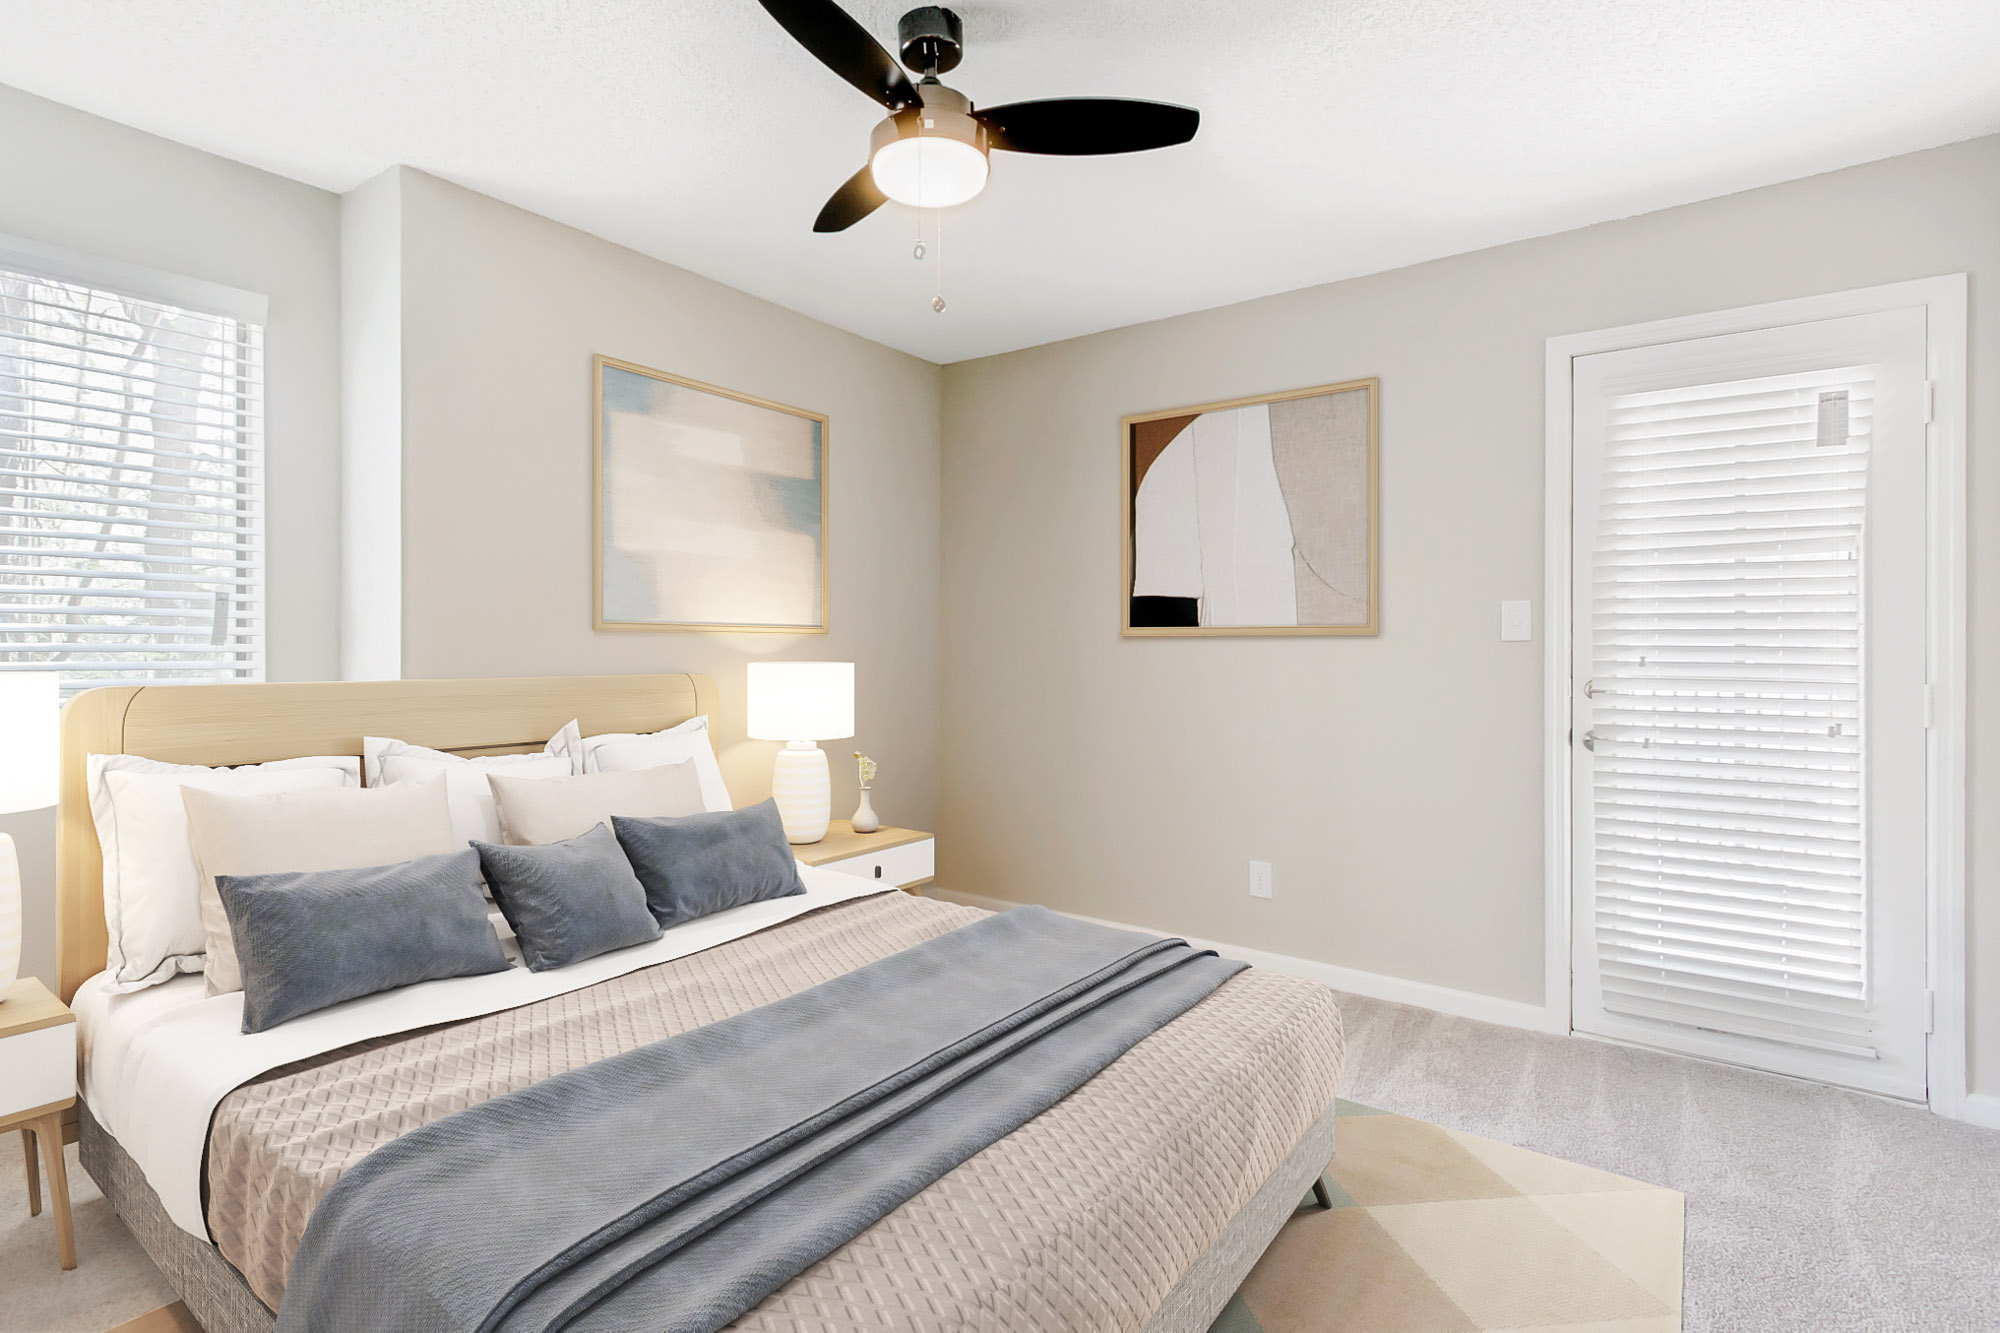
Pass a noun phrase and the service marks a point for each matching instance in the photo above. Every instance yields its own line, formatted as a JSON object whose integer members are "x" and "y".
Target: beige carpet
{"x": 1809, "y": 1209}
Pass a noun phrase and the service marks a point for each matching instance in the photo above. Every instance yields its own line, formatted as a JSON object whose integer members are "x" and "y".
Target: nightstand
{"x": 900, "y": 856}
{"x": 37, "y": 1084}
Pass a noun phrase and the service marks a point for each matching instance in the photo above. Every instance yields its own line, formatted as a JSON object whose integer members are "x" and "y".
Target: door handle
{"x": 1590, "y": 740}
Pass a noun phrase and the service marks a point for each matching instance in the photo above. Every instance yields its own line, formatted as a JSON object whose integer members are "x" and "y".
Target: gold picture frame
{"x": 604, "y": 539}
{"x": 1336, "y": 595}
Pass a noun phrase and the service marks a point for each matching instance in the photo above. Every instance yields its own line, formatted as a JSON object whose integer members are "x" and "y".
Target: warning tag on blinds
{"x": 1832, "y": 418}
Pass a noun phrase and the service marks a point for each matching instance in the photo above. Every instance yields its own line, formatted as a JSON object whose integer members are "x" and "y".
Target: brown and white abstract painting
{"x": 1255, "y": 516}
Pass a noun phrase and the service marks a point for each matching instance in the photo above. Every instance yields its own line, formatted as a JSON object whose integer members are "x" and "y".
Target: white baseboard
{"x": 1398, "y": 990}
{"x": 1980, "y": 1108}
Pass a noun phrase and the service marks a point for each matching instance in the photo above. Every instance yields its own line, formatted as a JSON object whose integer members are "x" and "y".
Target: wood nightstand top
{"x": 27, "y": 1006}
{"x": 841, "y": 842}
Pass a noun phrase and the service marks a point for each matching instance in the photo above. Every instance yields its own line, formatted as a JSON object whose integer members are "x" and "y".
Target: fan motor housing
{"x": 932, "y": 39}
{"x": 946, "y": 113}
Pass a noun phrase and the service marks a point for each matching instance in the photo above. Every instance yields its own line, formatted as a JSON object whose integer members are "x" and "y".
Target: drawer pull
{"x": 878, "y": 872}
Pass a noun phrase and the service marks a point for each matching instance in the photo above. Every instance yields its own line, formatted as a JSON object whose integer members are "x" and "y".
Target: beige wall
{"x": 1395, "y": 782}
{"x": 100, "y": 189}
{"x": 502, "y": 311}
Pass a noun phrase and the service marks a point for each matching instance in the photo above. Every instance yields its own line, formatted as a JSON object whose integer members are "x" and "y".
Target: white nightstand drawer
{"x": 908, "y": 863}
{"x": 37, "y": 1068}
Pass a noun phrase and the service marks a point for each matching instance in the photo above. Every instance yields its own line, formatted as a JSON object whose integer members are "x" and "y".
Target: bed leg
{"x": 1321, "y": 1195}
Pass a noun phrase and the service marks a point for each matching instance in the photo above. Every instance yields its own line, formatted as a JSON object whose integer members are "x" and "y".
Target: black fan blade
{"x": 851, "y": 203}
{"x": 1087, "y": 126}
{"x": 845, "y": 47}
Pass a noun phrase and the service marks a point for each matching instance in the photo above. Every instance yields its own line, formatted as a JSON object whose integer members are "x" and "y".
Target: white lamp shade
{"x": 929, "y": 171}
{"x": 30, "y": 715}
{"x": 801, "y": 701}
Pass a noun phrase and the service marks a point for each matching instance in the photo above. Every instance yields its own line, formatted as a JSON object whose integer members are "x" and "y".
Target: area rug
{"x": 1434, "y": 1231}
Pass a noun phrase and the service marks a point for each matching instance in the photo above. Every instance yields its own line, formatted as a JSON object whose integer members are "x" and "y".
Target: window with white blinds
{"x": 1726, "y": 655}
{"x": 131, "y": 487}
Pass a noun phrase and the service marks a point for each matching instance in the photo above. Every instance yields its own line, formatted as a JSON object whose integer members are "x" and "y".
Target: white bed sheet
{"x": 156, "y": 1063}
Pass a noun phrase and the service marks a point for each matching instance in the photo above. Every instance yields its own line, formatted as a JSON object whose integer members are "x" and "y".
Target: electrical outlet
{"x": 1517, "y": 622}
{"x": 1260, "y": 879}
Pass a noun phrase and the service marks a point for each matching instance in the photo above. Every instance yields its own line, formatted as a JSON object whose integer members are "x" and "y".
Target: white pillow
{"x": 305, "y": 830}
{"x": 626, "y": 751}
{"x": 473, "y": 814}
{"x": 152, "y": 895}
{"x": 539, "y": 810}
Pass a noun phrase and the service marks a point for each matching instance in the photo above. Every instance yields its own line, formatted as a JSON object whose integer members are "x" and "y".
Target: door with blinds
{"x": 1749, "y": 699}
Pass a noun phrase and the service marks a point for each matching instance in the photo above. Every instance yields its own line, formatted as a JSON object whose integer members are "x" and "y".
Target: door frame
{"x": 1944, "y": 301}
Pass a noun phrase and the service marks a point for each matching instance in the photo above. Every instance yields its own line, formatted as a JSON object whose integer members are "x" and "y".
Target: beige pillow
{"x": 534, "y": 810}
{"x": 338, "y": 829}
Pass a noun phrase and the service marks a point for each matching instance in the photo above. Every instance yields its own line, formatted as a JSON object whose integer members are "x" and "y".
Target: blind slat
{"x": 80, "y": 339}
{"x": 88, "y": 544}
{"x": 229, "y": 475}
{"x": 16, "y": 428}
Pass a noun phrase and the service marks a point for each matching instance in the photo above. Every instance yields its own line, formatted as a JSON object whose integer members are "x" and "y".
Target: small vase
{"x": 864, "y": 820}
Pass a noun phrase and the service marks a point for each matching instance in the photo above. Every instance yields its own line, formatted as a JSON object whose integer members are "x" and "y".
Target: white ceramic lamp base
{"x": 10, "y": 913}
{"x": 804, "y": 792}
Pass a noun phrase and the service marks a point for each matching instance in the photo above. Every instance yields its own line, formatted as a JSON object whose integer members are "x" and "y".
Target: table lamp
{"x": 802, "y": 703}
{"x": 29, "y": 710}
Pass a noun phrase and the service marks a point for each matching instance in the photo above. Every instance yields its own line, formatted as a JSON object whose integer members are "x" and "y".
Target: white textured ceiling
{"x": 1338, "y": 137}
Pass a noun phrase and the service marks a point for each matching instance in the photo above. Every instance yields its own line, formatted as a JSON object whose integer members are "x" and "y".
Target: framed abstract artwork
{"x": 710, "y": 506}
{"x": 1253, "y": 516}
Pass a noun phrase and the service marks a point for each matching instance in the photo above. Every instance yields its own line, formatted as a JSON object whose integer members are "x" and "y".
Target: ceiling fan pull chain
{"x": 918, "y": 253}
{"x": 937, "y": 302}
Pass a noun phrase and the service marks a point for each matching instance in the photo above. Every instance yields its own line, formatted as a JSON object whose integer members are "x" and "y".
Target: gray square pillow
{"x": 570, "y": 900}
{"x": 309, "y": 939}
{"x": 697, "y": 864}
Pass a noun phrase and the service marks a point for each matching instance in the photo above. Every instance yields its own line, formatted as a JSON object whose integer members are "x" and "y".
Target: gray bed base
{"x": 219, "y": 1299}
{"x": 1196, "y": 1300}
{"x": 213, "y": 1291}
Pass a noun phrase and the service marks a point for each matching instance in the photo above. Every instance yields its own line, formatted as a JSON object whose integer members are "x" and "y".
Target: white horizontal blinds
{"x": 1727, "y": 728}
{"x": 131, "y": 487}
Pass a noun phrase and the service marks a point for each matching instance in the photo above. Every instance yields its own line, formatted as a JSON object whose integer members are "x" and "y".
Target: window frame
{"x": 196, "y": 296}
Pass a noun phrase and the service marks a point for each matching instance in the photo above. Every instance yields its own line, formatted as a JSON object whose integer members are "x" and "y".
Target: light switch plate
{"x": 1517, "y": 622}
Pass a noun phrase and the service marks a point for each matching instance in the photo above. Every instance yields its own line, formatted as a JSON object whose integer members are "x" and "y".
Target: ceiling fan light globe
{"x": 929, "y": 171}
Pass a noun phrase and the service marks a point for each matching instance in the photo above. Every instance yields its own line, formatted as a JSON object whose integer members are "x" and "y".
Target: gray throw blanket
{"x": 676, "y": 1185}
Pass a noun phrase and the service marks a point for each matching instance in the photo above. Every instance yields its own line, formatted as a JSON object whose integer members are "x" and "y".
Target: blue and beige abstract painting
{"x": 713, "y": 507}
{"x": 1255, "y": 518}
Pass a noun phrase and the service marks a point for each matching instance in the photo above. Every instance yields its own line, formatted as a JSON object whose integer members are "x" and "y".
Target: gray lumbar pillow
{"x": 696, "y": 864}
{"x": 309, "y": 939}
{"x": 570, "y": 900}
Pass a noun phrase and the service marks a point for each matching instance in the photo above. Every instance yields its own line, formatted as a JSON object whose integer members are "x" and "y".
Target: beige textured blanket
{"x": 1083, "y": 1218}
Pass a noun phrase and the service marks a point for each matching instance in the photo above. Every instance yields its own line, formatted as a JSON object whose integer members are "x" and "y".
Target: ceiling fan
{"x": 931, "y": 149}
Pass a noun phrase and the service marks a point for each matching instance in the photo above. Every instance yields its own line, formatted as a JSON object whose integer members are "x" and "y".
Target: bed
{"x": 1139, "y": 1200}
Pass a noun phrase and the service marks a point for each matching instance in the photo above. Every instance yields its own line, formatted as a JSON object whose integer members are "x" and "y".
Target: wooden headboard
{"x": 250, "y": 724}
